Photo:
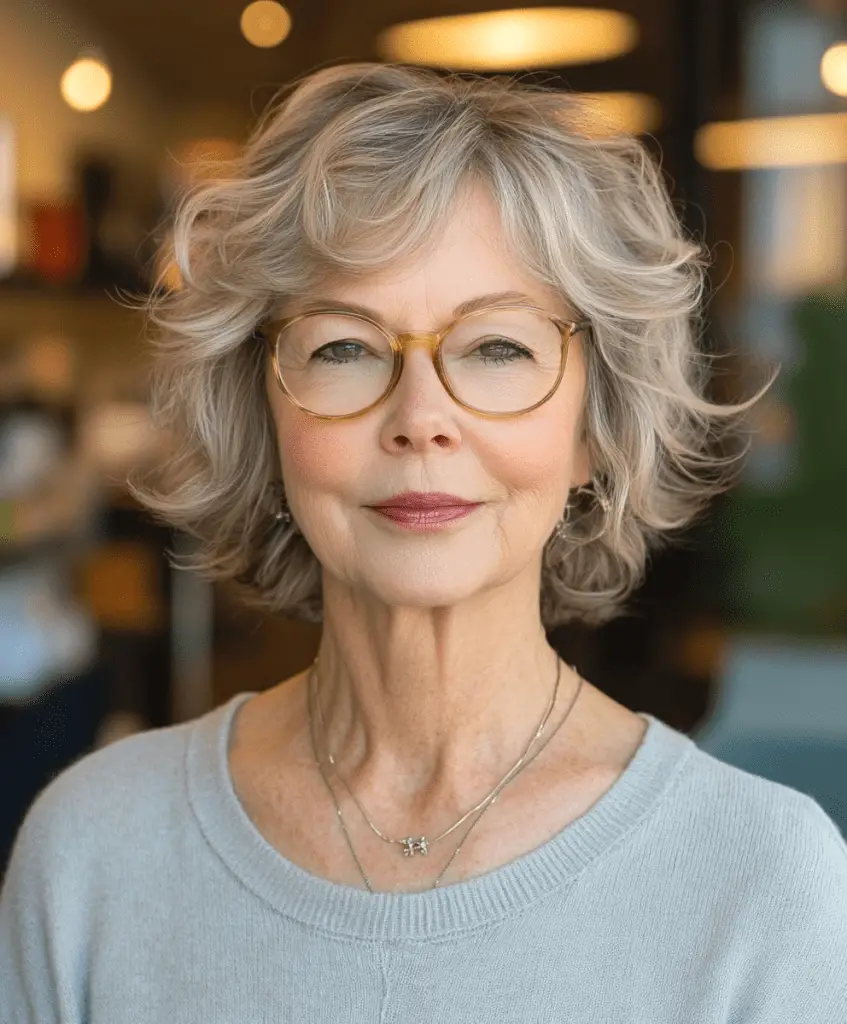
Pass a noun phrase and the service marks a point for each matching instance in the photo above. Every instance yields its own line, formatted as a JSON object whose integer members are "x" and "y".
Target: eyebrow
{"x": 464, "y": 308}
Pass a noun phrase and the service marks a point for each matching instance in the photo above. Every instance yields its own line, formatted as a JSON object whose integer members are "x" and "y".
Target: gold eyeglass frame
{"x": 272, "y": 330}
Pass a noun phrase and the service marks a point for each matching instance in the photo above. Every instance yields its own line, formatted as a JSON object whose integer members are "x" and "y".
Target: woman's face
{"x": 419, "y": 439}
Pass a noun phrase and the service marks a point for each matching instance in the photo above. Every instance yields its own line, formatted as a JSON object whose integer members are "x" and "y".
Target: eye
{"x": 503, "y": 350}
{"x": 325, "y": 352}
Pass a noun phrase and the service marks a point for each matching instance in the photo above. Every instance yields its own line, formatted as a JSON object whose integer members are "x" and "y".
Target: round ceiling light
{"x": 530, "y": 37}
{"x": 86, "y": 84}
{"x": 265, "y": 23}
{"x": 834, "y": 69}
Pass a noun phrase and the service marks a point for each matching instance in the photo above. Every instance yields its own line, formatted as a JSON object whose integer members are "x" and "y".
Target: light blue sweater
{"x": 139, "y": 892}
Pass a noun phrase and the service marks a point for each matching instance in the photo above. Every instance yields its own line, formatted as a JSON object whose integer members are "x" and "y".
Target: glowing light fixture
{"x": 610, "y": 113}
{"x": 834, "y": 69}
{"x": 265, "y": 23}
{"x": 802, "y": 141}
{"x": 529, "y": 37}
{"x": 86, "y": 84}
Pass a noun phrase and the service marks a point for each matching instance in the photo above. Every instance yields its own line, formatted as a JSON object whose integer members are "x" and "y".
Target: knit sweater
{"x": 691, "y": 892}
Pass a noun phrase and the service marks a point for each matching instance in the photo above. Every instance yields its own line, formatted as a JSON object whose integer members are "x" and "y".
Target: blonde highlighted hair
{"x": 354, "y": 169}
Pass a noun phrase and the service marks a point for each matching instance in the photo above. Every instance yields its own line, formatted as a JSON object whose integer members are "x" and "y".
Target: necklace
{"x": 413, "y": 845}
{"x": 489, "y": 800}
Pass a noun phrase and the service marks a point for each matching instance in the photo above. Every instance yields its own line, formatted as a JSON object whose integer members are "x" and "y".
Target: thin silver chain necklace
{"x": 413, "y": 845}
{"x": 486, "y": 803}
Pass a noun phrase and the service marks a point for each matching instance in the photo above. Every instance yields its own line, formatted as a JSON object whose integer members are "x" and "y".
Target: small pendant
{"x": 413, "y": 845}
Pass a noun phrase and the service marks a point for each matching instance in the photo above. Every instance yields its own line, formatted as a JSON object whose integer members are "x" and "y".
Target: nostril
{"x": 402, "y": 441}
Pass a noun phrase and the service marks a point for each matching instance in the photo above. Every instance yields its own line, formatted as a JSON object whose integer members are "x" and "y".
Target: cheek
{"x": 315, "y": 455}
{"x": 534, "y": 459}
{"x": 310, "y": 451}
{"x": 537, "y": 452}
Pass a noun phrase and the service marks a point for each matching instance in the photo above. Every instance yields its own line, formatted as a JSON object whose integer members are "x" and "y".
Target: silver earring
{"x": 562, "y": 529}
{"x": 282, "y": 513}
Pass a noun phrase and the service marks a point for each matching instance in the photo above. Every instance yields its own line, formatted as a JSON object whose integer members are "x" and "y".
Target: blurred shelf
{"x": 110, "y": 356}
{"x": 50, "y": 308}
{"x": 46, "y": 522}
{"x": 13, "y": 552}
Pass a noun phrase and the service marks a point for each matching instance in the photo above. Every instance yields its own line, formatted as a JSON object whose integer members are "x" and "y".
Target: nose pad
{"x": 425, "y": 343}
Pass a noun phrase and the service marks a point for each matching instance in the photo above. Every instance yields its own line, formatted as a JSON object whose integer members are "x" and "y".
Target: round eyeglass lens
{"x": 497, "y": 361}
{"x": 334, "y": 365}
{"x": 502, "y": 360}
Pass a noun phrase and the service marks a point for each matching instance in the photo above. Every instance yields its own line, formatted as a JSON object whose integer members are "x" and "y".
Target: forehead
{"x": 468, "y": 258}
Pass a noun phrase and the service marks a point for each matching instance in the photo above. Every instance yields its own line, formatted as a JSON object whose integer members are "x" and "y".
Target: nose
{"x": 419, "y": 414}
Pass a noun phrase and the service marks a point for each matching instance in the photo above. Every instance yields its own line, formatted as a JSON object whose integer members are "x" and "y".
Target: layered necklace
{"x": 420, "y": 844}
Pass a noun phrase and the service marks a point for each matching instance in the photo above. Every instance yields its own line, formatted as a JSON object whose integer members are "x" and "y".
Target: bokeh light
{"x": 834, "y": 69}
{"x": 86, "y": 84}
{"x": 801, "y": 141}
{"x": 265, "y": 23}
{"x": 512, "y": 39}
{"x": 611, "y": 113}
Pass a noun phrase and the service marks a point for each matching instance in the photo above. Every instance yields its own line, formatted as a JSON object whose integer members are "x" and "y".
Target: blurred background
{"x": 108, "y": 110}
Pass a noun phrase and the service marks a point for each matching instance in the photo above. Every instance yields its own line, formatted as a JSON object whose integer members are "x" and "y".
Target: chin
{"x": 425, "y": 585}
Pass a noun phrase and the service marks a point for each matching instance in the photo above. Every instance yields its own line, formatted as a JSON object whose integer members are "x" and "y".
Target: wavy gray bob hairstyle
{"x": 356, "y": 168}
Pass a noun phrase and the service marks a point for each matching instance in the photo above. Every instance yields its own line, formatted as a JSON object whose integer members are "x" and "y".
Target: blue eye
{"x": 510, "y": 352}
{"x": 325, "y": 355}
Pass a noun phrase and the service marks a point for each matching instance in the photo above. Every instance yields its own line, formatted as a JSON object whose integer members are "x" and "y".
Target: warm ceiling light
{"x": 834, "y": 69}
{"x": 610, "y": 113}
{"x": 530, "y": 37}
{"x": 86, "y": 84}
{"x": 265, "y": 23}
{"x": 802, "y": 141}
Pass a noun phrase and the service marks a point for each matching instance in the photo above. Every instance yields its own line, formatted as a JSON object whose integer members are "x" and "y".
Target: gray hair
{"x": 355, "y": 168}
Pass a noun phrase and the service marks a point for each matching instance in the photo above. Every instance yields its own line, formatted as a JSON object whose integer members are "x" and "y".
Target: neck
{"x": 426, "y": 707}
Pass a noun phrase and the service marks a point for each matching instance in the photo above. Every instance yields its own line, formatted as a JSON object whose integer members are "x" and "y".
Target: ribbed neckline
{"x": 353, "y": 912}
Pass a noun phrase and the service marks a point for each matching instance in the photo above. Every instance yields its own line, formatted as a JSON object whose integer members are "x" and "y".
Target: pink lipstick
{"x": 417, "y": 510}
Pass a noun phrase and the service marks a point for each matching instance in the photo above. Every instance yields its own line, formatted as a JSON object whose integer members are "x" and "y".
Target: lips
{"x": 417, "y": 501}
{"x": 425, "y": 511}
{"x": 426, "y": 518}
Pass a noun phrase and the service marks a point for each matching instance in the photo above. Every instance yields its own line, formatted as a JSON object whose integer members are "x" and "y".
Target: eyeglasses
{"x": 498, "y": 361}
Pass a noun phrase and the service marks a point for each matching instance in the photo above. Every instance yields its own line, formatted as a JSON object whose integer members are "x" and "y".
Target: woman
{"x": 432, "y": 374}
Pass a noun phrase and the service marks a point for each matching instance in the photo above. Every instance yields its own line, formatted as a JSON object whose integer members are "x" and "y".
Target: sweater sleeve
{"x": 802, "y": 979}
{"x": 40, "y": 956}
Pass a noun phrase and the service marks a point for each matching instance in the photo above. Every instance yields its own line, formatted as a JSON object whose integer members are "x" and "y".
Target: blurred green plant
{"x": 785, "y": 557}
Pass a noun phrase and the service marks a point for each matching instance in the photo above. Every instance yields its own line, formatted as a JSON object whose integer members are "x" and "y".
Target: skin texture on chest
{"x": 283, "y": 794}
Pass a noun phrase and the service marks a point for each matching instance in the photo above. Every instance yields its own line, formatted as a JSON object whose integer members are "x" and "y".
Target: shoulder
{"x": 107, "y": 800}
{"x": 83, "y": 861}
{"x": 770, "y": 869}
{"x": 777, "y": 840}
{"x": 723, "y": 788}
{"x": 90, "y": 836}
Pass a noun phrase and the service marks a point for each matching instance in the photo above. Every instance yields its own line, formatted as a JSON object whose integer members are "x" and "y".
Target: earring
{"x": 282, "y": 513}
{"x": 562, "y": 531}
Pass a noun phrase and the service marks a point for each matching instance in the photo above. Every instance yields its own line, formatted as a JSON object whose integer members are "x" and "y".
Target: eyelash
{"x": 518, "y": 350}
